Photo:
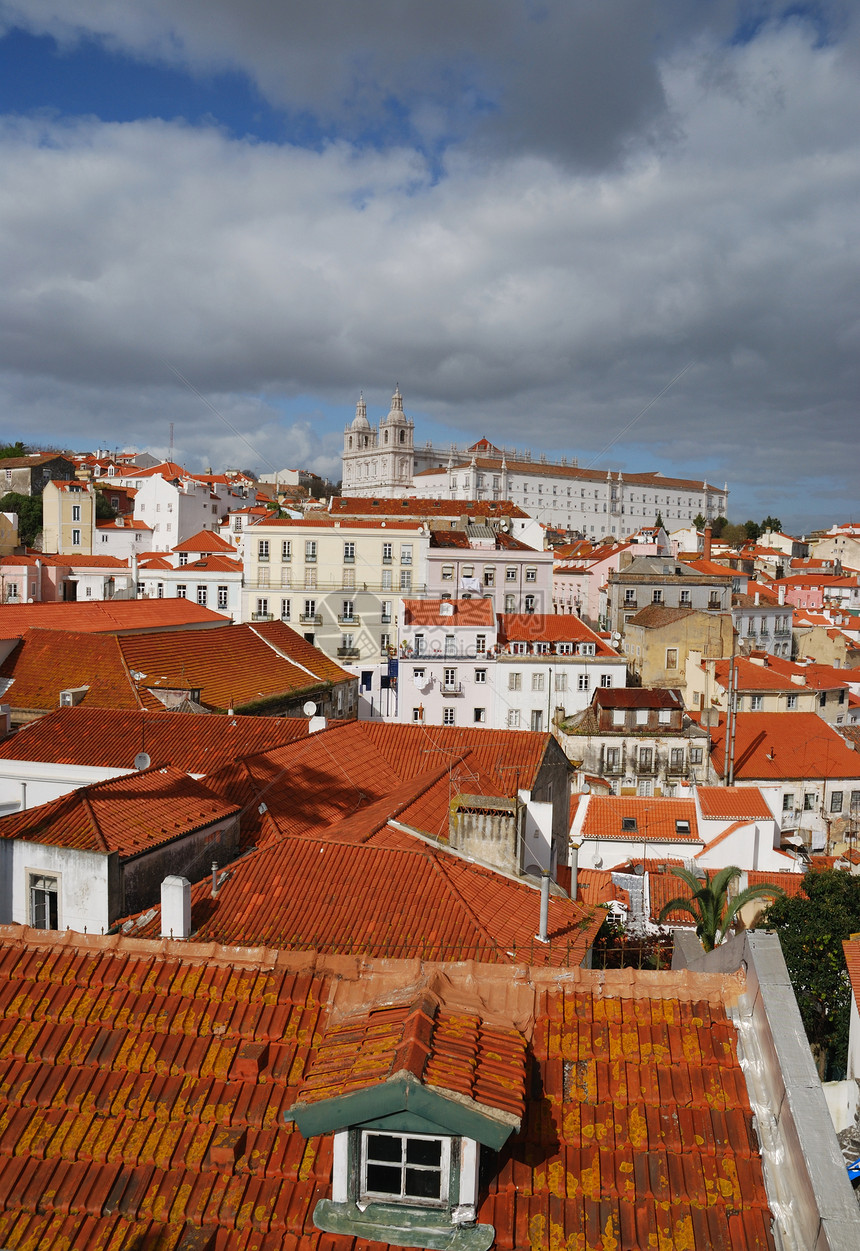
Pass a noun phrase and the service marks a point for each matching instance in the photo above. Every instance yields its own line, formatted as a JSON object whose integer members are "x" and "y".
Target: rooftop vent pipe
{"x": 543, "y": 935}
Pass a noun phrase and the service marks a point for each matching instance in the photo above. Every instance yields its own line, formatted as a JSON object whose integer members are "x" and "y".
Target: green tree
{"x": 29, "y": 510}
{"x": 659, "y": 522}
{"x": 104, "y": 511}
{"x": 753, "y": 529}
{"x": 733, "y": 534}
{"x": 711, "y": 904}
{"x": 700, "y": 522}
{"x": 771, "y": 523}
{"x": 12, "y": 449}
{"x": 811, "y": 931}
{"x": 718, "y": 525}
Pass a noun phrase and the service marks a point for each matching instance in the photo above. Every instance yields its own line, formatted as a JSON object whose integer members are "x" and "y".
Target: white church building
{"x": 383, "y": 461}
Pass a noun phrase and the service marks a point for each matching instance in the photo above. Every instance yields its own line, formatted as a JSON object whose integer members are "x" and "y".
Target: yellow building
{"x": 68, "y": 518}
{"x": 8, "y": 533}
{"x": 658, "y": 640}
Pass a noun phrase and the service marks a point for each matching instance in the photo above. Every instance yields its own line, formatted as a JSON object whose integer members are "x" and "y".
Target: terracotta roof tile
{"x": 732, "y": 803}
{"x": 155, "y": 1116}
{"x": 655, "y": 819}
{"x": 112, "y": 737}
{"x": 772, "y": 746}
{"x": 418, "y": 507}
{"x": 126, "y": 814}
{"x": 113, "y": 616}
{"x": 206, "y": 541}
{"x": 550, "y": 628}
{"x": 466, "y": 612}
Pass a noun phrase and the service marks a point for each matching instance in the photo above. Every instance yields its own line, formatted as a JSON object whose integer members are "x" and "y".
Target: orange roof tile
{"x": 114, "y": 616}
{"x": 466, "y": 612}
{"x": 550, "y": 628}
{"x": 420, "y": 507}
{"x": 127, "y": 815}
{"x": 731, "y": 803}
{"x": 111, "y": 738}
{"x": 655, "y": 819}
{"x": 144, "y": 1087}
{"x": 773, "y": 746}
{"x": 46, "y": 662}
{"x": 206, "y": 541}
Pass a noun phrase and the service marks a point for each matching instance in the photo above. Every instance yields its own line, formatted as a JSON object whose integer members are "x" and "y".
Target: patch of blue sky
{"x": 824, "y": 17}
{"x": 88, "y": 80}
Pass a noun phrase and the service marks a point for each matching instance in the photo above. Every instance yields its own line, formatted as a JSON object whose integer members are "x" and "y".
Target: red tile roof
{"x": 733, "y": 803}
{"x": 549, "y": 628}
{"x": 773, "y": 746}
{"x": 453, "y": 1051}
{"x": 206, "y": 541}
{"x": 342, "y": 523}
{"x": 144, "y": 1086}
{"x": 750, "y": 676}
{"x": 114, "y": 616}
{"x": 47, "y": 662}
{"x": 127, "y": 815}
{"x": 637, "y": 697}
{"x": 111, "y": 738}
{"x": 655, "y": 819}
{"x": 418, "y": 507}
{"x": 467, "y": 612}
{"x": 655, "y": 616}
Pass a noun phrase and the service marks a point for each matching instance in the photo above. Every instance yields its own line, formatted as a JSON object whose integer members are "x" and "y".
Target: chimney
{"x": 781, "y": 595}
{"x": 575, "y": 844}
{"x": 706, "y": 551}
{"x": 757, "y": 598}
{"x": 175, "y": 907}
{"x": 317, "y": 723}
{"x": 543, "y": 934}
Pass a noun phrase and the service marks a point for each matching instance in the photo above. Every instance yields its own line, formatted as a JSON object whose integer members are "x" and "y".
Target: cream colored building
{"x": 759, "y": 687}
{"x": 8, "y": 533}
{"x": 658, "y": 641}
{"x": 338, "y": 582}
{"x": 68, "y": 518}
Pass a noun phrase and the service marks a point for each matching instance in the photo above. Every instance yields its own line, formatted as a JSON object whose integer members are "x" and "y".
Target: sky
{"x": 621, "y": 230}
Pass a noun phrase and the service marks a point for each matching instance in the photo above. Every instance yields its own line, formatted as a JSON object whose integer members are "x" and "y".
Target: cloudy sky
{"x": 535, "y": 215}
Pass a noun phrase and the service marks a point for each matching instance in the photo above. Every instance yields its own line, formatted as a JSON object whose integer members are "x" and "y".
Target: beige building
{"x": 8, "y": 533}
{"x": 68, "y": 518}
{"x": 658, "y": 640}
{"x": 759, "y": 687}
{"x": 337, "y": 582}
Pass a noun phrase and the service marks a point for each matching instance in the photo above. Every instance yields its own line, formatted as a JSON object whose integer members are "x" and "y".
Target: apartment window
{"x": 310, "y": 609}
{"x": 836, "y": 801}
{"x": 406, "y": 553}
{"x": 387, "y": 583}
{"x": 181, "y": 591}
{"x": 531, "y": 574}
{"x": 480, "y": 644}
{"x": 450, "y": 645}
{"x": 695, "y": 755}
{"x": 263, "y": 549}
{"x": 405, "y": 1168}
{"x": 418, "y": 714}
{"x": 384, "y": 642}
{"x": 809, "y": 801}
{"x": 714, "y": 600}
{"x": 510, "y": 574}
{"x": 515, "y": 681}
{"x": 480, "y": 675}
{"x": 536, "y": 721}
{"x": 310, "y": 578}
{"x": 479, "y": 715}
{"x": 584, "y": 682}
{"x": 44, "y": 902}
{"x": 76, "y": 538}
{"x": 468, "y": 571}
{"x": 286, "y": 576}
{"x": 386, "y": 553}
{"x": 510, "y": 603}
{"x": 450, "y": 678}
{"x": 646, "y": 757}
{"x": 529, "y": 603}
{"x": 159, "y": 590}
{"x": 537, "y": 681}
{"x": 686, "y": 597}
{"x": 105, "y": 538}
{"x": 311, "y": 551}
{"x": 348, "y": 579}
{"x": 349, "y": 553}
{"x": 664, "y": 717}
{"x": 791, "y": 701}
{"x": 286, "y": 610}
{"x": 671, "y": 658}
{"x": 263, "y": 577}
{"x": 657, "y": 596}
{"x": 448, "y": 715}
{"x": 606, "y": 679}
{"x": 613, "y": 757}
{"x": 676, "y": 758}
{"x": 619, "y": 717}
{"x": 489, "y": 576}
{"x": 561, "y": 681}
{"x": 630, "y": 595}
{"x": 262, "y": 608}
{"x": 287, "y": 549}
{"x": 513, "y": 718}
{"x": 540, "y": 649}
{"x": 348, "y": 607}
{"x": 76, "y": 512}
{"x": 641, "y": 716}
{"x": 418, "y": 675}
{"x": 202, "y": 595}
{"x": 756, "y": 703}
{"x": 822, "y": 699}
{"x": 386, "y": 612}
{"x": 406, "y": 579}
{"x": 447, "y": 573}
{"x": 788, "y": 801}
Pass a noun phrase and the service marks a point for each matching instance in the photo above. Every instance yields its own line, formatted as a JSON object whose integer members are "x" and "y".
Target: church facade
{"x": 382, "y": 461}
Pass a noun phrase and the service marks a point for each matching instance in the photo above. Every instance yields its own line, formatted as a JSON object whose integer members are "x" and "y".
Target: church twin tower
{"x": 379, "y": 460}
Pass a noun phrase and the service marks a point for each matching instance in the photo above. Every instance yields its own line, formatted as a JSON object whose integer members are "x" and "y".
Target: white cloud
{"x": 520, "y": 295}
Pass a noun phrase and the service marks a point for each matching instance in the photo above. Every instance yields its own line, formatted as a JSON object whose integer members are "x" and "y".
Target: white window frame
{"x": 384, "y": 1196}
{"x": 480, "y": 676}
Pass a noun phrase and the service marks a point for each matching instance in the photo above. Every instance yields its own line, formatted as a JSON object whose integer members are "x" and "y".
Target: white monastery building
{"x": 384, "y": 460}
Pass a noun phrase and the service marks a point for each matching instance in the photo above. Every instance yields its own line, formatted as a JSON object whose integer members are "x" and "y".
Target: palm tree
{"x": 709, "y": 904}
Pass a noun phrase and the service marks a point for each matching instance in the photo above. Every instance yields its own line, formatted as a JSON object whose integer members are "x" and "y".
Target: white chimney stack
{"x": 175, "y": 907}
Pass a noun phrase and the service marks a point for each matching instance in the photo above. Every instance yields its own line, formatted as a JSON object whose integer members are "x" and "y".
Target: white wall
{"x": 83, "y": 885}
{"x": 28, "y": 783}
{"x": 537, "y": 834}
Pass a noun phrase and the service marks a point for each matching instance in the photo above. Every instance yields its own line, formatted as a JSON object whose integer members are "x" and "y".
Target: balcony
{"x": 348, "y": 619}
{"x": 648, "y": 769}
{"x": 630, "y": 603}
{"x": 310, "y": 618}
{"x": 386, "y": 618}
{"x": 454, "y": 689}
{"x": 262, "y": 616}
{"x": 349, "y": 653}
{"x": 676, "y": 768}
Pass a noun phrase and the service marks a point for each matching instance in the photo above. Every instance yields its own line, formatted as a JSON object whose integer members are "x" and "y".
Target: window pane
{"x": 383, "y": 1178}
{"x": 423, "y": 1183}
{"x": 383, "y": 1147}
{"x": 423, "y": 1151}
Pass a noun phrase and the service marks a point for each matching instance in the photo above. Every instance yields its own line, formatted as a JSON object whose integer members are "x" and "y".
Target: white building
{"x": 204, "y": 568}
{"x": 482, "y": 561}
{"x": 383, "y": 459}
{"x": 122, "y": 537}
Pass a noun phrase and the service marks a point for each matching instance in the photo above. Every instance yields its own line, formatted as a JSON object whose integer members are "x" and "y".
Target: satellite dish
{"x": 142, "y": 760}
{"x": 309, "y": 708}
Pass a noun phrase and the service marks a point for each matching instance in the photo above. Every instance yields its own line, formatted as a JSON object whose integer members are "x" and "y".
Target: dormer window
{"x": 628, "y": 825}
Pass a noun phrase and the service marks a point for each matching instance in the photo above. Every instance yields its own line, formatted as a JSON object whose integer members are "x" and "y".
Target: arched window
{"x": 402, "y": 436}
{"x": 350, "y": 442}
{"x": 386, "y": 436}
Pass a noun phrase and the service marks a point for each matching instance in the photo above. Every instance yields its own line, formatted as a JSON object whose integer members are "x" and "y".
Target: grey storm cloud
{"x": 623, "y": 191}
